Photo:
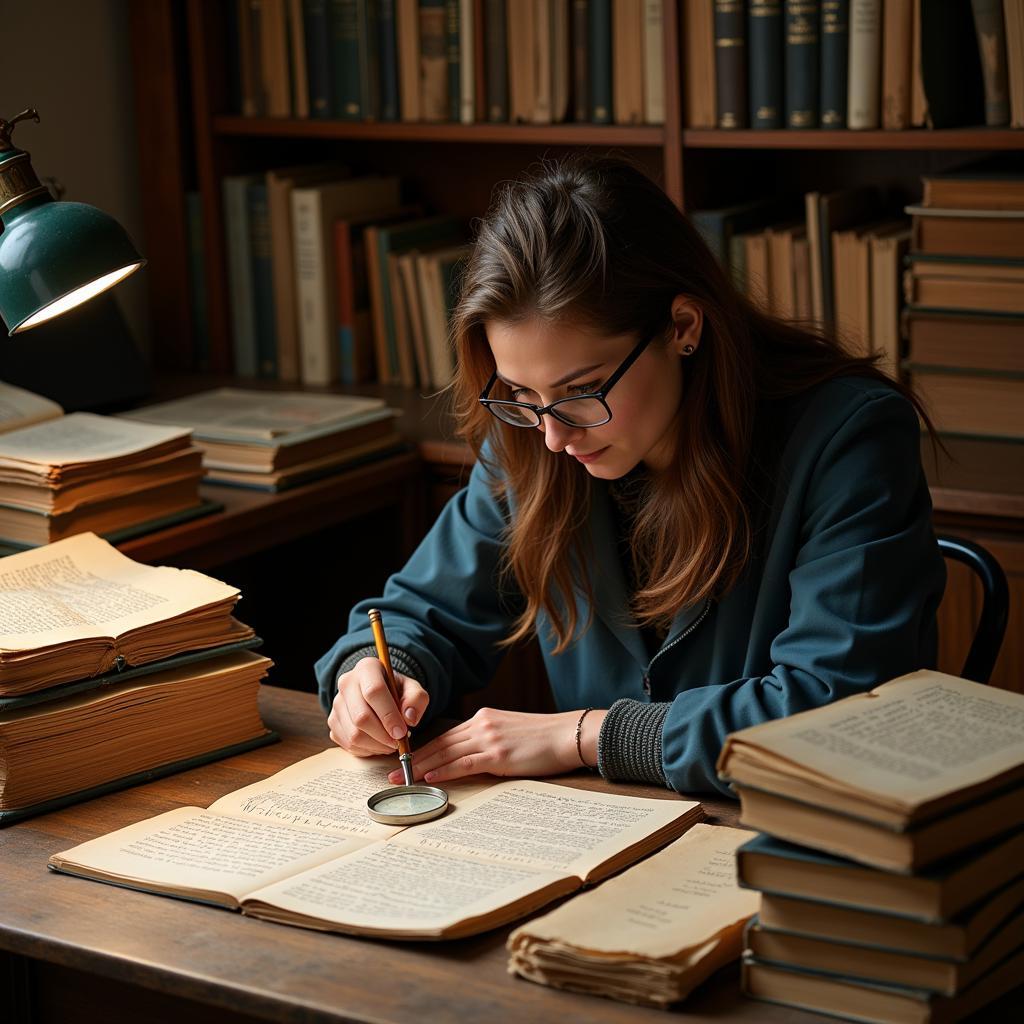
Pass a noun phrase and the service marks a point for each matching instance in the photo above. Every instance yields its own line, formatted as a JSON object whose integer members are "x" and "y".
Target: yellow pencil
{"x": 404, "y": 753}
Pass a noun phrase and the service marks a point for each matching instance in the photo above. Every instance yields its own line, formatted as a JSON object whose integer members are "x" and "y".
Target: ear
{"x": 687, "y": 325}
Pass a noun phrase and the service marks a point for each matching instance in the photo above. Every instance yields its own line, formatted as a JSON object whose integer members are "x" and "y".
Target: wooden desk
{"x": 86, "y": 951}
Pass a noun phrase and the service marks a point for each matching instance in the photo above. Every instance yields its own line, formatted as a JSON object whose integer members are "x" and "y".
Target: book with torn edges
{"x": 79, "y": 608}
{"x": 862, "y": 1001}
{"x": 64, "y": 751}
{"x": 652, "y": 934}
{"x": 955, "y": 941}
{"x": 914, "y": 770}
{"x": 936, "y": 895}
{"x": 851, "y": 960}
{"x": 299, "y": 848}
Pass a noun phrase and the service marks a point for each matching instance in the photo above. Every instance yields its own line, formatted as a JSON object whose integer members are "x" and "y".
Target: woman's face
{"x": 542, "y": 362}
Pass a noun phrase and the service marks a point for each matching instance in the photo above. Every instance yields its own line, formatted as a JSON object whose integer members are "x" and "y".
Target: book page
{"x": 81, "y": 437}
{"x": 328, "y": 791}
{"x": 191, "y": 849}
{"x": 545, "y": 826}
{"x": 84, "y": 587}
{"x": 677, "y": 900}
{"x": 240, "y": 414}
{"x": 19, "y": 407}
{"x": 387, "y": 887}
{"x": 913, "y": 739}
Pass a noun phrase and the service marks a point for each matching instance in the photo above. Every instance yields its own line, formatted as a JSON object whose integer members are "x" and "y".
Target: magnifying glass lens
{"x": 407, "y": 803}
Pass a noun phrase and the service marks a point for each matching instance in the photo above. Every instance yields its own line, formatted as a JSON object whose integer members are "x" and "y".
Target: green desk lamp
{"x": 53, "y": 255}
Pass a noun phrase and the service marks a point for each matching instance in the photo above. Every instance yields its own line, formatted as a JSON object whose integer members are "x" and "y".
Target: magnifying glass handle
{"x": 405, "y": 760}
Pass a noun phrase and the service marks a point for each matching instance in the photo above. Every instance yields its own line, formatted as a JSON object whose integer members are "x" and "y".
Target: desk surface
{"x": 273, "y": 971}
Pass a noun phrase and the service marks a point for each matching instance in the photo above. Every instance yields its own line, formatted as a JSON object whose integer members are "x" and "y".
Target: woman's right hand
{"x": 364, "y": 718}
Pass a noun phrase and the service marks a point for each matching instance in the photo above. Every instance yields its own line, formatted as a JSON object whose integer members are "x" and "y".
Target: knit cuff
{"x": 401, "y": 661}
{"x": 629, "y": 743}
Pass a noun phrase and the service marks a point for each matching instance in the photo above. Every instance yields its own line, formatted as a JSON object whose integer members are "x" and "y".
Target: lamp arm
{"x": 7, "y": 127}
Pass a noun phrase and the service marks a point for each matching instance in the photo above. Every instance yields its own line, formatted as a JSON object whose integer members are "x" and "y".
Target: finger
{"x": 443, "y": 756}
{"x": 363, "y": 719}
{"x": 346, "y": 737}
{"x": 446, "y": 739}
{"x": 414, "y": 699}
{"x": 376, "y": 692}
{"x": 472, "y": 763}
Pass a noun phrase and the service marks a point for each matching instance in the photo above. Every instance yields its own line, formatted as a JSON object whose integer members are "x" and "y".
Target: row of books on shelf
{"x": 889, "y": 859}
{"x": 333, "y": 278}
{"x": 464, "y": 61}
{"x": 939, "y": 294}
{"x": 857, "y": 64}
{"x": 114, "y": 673}
{"x": 122, "y": 476}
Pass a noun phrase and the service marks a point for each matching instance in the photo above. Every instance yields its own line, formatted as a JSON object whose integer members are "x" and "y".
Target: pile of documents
{"x": 891, "y": 859}
{"x": 112, "y": 672}
{"x": 650, "y": 935}
{"x": 271, "y": 440}
{"x": 85, "y": 472}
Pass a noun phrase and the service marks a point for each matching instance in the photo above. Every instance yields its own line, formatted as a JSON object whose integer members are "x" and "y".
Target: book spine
{"x": 731, "y": 63}
{"x": 865, "y": 57}
{"x": 433, "y": 61}
{"x": 764, "y": 28}
{"x": 541, "y": 113}
{"x": 369, "y": 60}
{"x": 452, "y": 59}
{"x": 298, "y": 72}
{"x": 388, "y": 60}
{"x": 580, "y": 73}
{"x": 991, "y": 33}
{"x": 599, "y": 36}
{"x": 345, "y": 63}
{"x": 802, "y": 63}
{"x": 835, "y": 44}
{"x": 1013, "y": 23}
{"x": 897, "y": 47}
{"x": 318, "y": 57}
{"x": 262, "y": 279}
{"x": 495, "y": 37}
{"x": 233, "y": 54}
{"x": 345, "y": 300}
{"x": 467, "y": 63}
{"x": 654, "y": 62}
{"x": 274, "y": 59}
{"x": 315, "y": 333}
{"x": 250, "y": 29}
{"x": 407, "y": 29}
{"x": 240, "y": 290}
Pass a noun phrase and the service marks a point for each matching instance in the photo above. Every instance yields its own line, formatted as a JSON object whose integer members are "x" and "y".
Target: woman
{"x": 710, "y": 517}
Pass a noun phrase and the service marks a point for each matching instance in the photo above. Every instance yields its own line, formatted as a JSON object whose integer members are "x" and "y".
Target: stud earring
{"x": 687, "y": 350}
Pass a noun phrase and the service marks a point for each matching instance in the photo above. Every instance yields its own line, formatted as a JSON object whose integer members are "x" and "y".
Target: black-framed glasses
{"x": 589, "y": 410}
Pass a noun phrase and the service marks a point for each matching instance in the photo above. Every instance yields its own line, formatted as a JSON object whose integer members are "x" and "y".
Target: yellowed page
{"x": 84, "y": 587}
{"x": 906, "y": 742}
{"x": 328, "y": 791}
{"x": 679, "y": 900}
{"x": 238, "y": 413}
{"x": 387, "y": 887}
{"x": 544, "y": 826}
{"x": 81, "y": 437}
{"x": 19, "y": 408}
{"x": 193, "y": 851}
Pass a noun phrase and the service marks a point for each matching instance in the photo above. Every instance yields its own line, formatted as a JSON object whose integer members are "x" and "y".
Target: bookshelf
{"x": 188, "y": 140}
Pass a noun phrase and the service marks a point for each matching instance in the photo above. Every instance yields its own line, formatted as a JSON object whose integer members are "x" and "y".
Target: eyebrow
{"x": 558, "y": 383}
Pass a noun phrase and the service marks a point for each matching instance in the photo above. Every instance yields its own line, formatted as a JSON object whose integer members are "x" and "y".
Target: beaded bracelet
{"x": 579, "y": 733}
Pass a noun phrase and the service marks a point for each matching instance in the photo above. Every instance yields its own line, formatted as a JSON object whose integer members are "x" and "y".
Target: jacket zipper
{"x": 682, "y": 636}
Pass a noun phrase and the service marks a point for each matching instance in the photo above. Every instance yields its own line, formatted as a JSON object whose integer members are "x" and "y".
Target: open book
{"x": 899, "y": 777}
{"x": 21, "y": 408}
{"x": 79, "y": 608}
{"x": 300, "y": 849}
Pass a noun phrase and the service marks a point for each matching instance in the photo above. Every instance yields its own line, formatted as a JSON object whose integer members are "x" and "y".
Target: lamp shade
{"x": 54, "y": 256}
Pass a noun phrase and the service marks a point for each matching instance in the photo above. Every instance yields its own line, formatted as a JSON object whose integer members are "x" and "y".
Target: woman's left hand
{"x": 500, "y": 743}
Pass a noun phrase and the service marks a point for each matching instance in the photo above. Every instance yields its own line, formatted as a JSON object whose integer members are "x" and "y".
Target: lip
{"x": 590, "y": 456}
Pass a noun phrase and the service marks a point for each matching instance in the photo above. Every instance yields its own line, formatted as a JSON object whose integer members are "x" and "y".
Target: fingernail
{"x": 430, "y": 776}
{"x": 398, "y": 732}
{"x": 410, "y": 715}
{"x": 393, "y": 777}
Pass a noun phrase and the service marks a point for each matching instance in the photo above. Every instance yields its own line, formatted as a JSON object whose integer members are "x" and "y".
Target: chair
{"x": 988, "y": 636}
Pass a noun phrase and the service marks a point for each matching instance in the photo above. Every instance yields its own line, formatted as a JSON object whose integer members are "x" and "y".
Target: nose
{"x": 558, "y": 434}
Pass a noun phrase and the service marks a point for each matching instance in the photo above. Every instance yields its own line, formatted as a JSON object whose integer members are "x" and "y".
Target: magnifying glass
{"x": 408, "y": 804}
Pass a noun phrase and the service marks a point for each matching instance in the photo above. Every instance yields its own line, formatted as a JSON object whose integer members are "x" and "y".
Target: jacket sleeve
{"x": 447, "y": 609}
{"x": 865, "y": 587}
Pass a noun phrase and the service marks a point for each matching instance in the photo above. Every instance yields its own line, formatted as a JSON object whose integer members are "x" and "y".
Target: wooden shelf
{"x": 940, "y": 139}
{"x": 392, "y": 131}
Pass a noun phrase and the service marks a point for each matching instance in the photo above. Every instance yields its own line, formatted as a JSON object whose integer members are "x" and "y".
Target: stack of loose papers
{"x": 87, "y": 472}
{"x": 275, "y": 439}
{"x": 650, "y": 935}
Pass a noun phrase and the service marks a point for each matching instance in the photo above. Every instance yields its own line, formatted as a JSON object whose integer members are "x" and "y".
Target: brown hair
{"x": 594, "y": 242}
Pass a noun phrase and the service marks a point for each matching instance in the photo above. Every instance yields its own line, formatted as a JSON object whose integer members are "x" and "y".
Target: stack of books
{"x": 890, "y": 864}
{"x": 448, "y": 60}
{"x": 650, "y": 935}
{"x": 86, "y": 472}
{"x": 112, "y": 673}
{"x": 271, "y": 440}
{"x": 965, "y": 299}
